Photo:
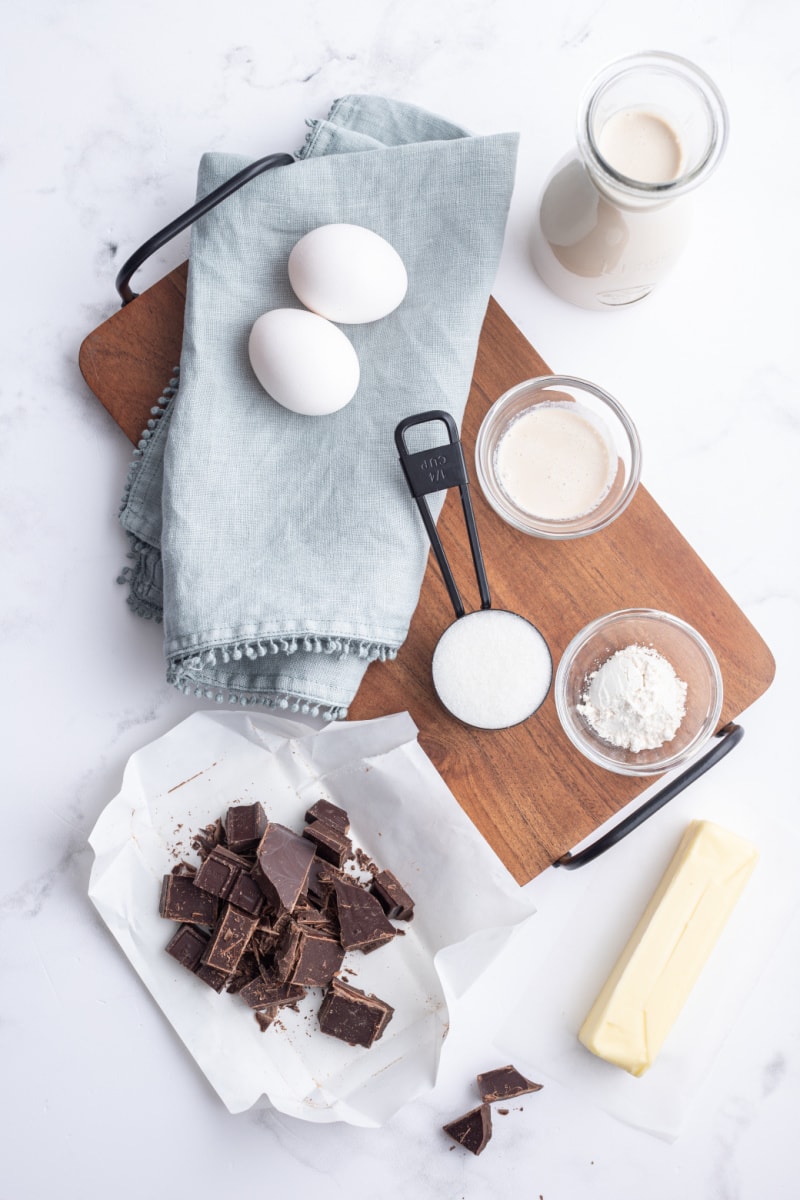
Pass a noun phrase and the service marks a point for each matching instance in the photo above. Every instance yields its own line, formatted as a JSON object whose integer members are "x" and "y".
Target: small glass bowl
{"x": 598, "y": 408}
{"x": 690, "y": 657}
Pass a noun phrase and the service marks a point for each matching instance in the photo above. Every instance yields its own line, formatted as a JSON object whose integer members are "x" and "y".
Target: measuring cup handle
{"x": 437, "y": 470}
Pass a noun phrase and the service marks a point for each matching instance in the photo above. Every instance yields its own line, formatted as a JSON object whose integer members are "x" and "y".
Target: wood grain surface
{"x": 531, "y": 794}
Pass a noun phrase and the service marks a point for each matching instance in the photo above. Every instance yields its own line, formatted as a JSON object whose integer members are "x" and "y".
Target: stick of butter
{"x": 668, "y": 949}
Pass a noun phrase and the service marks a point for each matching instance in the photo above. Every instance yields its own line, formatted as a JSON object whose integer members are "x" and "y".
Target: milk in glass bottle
{"x": 614, "y": 215}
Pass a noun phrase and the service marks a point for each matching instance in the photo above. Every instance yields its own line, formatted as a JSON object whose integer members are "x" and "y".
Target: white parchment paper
{"x": 402, "y": 815}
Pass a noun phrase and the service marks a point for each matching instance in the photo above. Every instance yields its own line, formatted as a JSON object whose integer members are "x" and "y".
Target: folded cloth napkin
{"x": 285, "y": 550}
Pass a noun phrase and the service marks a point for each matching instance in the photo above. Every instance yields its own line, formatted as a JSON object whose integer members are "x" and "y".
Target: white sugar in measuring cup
{"x": 491, "y": 668}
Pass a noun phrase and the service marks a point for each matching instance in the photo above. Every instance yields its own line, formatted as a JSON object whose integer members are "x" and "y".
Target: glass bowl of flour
{"x": 638, "y": 692}
{"x": 558, "y": 457}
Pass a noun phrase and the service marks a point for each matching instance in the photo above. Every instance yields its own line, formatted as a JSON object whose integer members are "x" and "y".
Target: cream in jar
{"x": 555, "y": 461}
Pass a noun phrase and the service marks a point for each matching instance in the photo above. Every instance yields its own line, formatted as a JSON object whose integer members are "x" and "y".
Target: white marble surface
{"x": 107, "y": 109}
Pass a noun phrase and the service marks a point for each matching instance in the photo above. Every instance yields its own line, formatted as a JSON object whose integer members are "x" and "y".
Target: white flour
{"x": 634, "y": 700}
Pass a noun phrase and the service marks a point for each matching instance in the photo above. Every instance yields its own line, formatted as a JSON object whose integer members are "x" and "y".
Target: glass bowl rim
{"x": 525, "y": 522}
{"x": 666, "y": 63}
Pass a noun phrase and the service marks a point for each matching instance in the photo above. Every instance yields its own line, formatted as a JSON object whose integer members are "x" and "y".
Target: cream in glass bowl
{"x": 558, "y": 457}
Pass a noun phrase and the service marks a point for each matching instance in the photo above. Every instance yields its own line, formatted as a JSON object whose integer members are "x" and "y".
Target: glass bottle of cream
{"x": 613, "y": 216}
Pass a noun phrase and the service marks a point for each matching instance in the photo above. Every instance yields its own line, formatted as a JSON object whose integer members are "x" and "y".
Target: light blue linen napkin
{"x": 285, "y": 551}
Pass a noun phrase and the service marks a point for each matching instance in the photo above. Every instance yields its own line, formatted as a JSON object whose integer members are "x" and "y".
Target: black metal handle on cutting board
{"x": 436, "y": 470}
{"x": 728, "y": 737}
{"x": 190, "y": 216}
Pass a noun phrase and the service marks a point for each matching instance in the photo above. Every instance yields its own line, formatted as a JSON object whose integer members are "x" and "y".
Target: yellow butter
{"x": 668, "y": 949}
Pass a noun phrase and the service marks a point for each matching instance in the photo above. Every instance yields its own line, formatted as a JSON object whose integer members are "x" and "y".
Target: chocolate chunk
{"x": 267, "y": 991}
{"x": 307, "y": 956}
{"x": 246, "y": 971}
{"x": 263, "y": 943}
{"x": 392, "y": 896}
{"x": 473, "y": 1130}
{"x": 265, "y": 1017}
{"x": 318, "y": 958}
{"x": 504, "y": 1083}
{"x": 244, "y": 826}
{"x": 182, "y": 901}
{"x": 353, "y": 1016}
{"x": 229, "y": 940}
{"x": 331, "y": 814}
{"x": 362, "y": 922}
{"x": 284, "y": 859}
{"x": 312, "y": 918}
{"x": 330, "y": 844}
{"x": 187, "y": 945}
{"x": 319, "y": 887}
{"x": 246, "y": 894}
{"x": 209, "y": 837}
{"x": 219, "y": 872}
{"x": 286, "y": 950}
{"x": 210, "y": 975}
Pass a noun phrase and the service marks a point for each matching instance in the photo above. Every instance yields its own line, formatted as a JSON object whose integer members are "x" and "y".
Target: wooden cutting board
{"x": 530, "y": 793}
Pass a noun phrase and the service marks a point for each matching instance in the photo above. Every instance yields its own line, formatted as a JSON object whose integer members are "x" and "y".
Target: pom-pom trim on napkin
{"x": 287, "y": 701}
{"x": 186, "y": 673}
{"x": 143, "y": 555}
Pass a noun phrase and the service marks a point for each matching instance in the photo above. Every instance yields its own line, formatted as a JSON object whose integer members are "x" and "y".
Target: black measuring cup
{"x": 491, "y": 668}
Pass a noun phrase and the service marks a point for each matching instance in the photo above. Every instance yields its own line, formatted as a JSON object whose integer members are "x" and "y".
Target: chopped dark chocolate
{"x": 317, "y": 960}
{"x": 307, "y": 956}
{"x": 330, "y": 844}
{"x": 392, "y": 896}
{"x": 504, "y": 1083}
{"x": 219, "y": 872}
{"x": 247, "y": 969}
{"x": 229, "y": 940}
{"x": 263, "y": 942}
{"x": 184, "y": 868}
{"x": 319, "y": 887}
{"x": 188, "y": 945}
{"x": 286, "y": 950}
{"x": 182, "y": 901}
{"x": 282, "y": 913}
{"x": 267, "y": 991}
{"x": 353, "y": 1016}
{"x": 244, "y": 826}
{"x": 331, "y": 814}
{"x": 363, "y": 924}
{"x": 210, "y": 975}
{"x": 313, "y": 918}
{"x": 284, "y": 859}
{"x": 473, "y": 1130}
{"x": 209, "y": 837}
{"x": 246, "y": 894}
{"x": 265, "y": 1017}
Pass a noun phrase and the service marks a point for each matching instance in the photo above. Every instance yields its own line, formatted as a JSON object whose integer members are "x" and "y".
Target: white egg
{"x": 347, "y": 274}
{"x": 304, "y": 362}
